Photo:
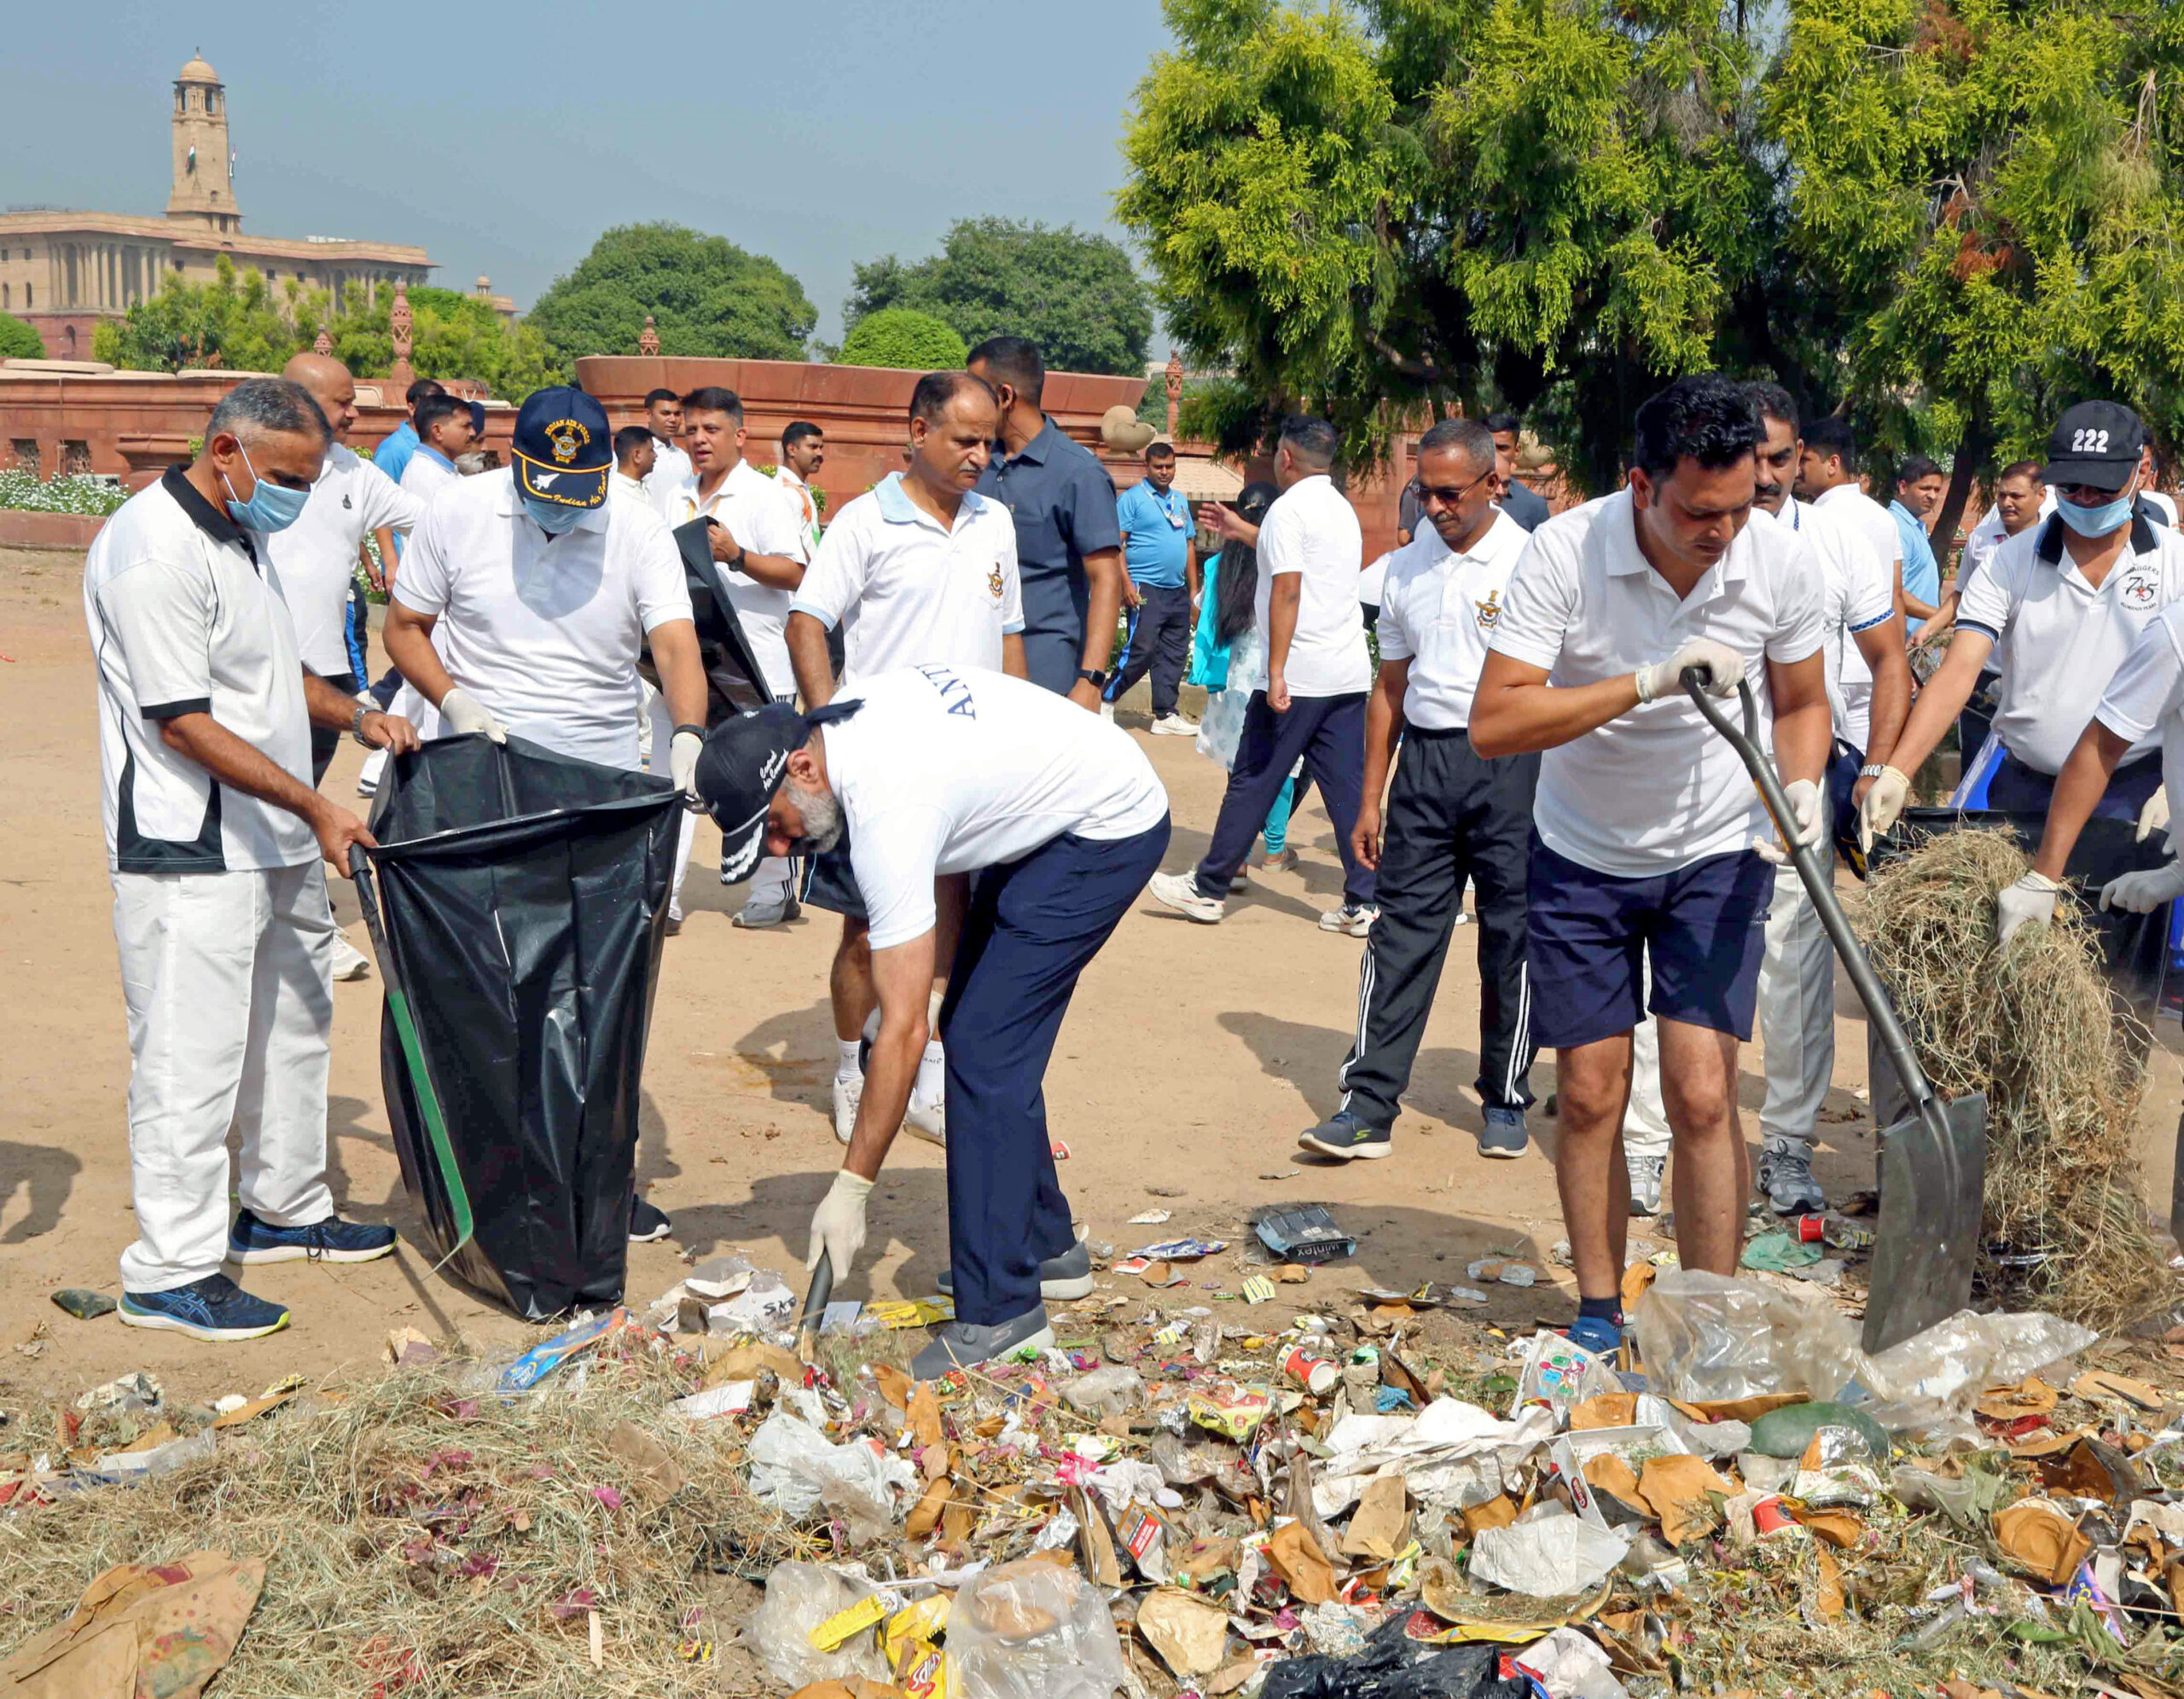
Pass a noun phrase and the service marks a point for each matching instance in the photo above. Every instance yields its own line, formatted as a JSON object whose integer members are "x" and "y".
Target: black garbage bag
{"x": 1392, "y": 1666}
{"x": 523, "y": 896}
{"x": 734, "y": 681}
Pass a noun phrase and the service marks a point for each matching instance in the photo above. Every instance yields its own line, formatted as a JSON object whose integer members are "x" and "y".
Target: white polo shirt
{"x": 427, "y": 473}
{"x": 805, "y": 504}
{"x": 1848, "y": 505}
{"x": 1312, "y": 531}
{"x": 907, "y": 591}
{"x": 2058, "y": 639}
{"x": 1658, "y": 788}
{"x": 621, "y": 487}
{"x": 1437, "y": 610}
{"x": 946, "y": 770}
{"x": 758, "y": 513}
{"x": 671, "y": 471}
{"x": 316, "y": 556}
{"x": 1859, "y": 593}
{"x": 183, "y": 621}
{"x": 2144, "y": 703}
{"x": 543, "y": 630}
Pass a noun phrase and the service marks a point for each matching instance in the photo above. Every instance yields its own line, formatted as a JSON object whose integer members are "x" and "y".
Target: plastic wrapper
{"x": 1571, "y": 1666}
{"x": 1560, "y": 1375}
{"x": 1115, "y": 1390}
{"x": 1032, "y": 1630}
{"x": 795, "y": 1469}
{"x": 1548, "y": 1553}
{"x": 799, "y": 1597}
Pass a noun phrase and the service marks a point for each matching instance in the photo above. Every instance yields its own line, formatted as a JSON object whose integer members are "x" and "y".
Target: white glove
{"x": 682, "y": 767}
{"x": 2143, "y": 893}
{"x": 1722, "y": 667}
{"x": 2154, "y": 816}
{"x": 1883, "y": 803}
{"x": 1807, "y": 803}
{"x": 465, "y": 713}
{"x": 837, "y": 1224}
{"x": 2031, "y": 898}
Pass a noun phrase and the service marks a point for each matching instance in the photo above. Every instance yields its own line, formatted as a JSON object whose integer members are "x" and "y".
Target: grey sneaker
{"x": 1786, "y": 1177}
{"x": 1345, "y": 1136}
{"x": 756, "y": 913}
{"x": 1646, "y": 1174}
{"x": 1504, "y": 1134}
{"x": 957, "y": 1345}
{"x": 1060, "y": 1277}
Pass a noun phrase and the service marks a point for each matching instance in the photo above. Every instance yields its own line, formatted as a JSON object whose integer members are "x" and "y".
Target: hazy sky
{"x": 504, "y": 138}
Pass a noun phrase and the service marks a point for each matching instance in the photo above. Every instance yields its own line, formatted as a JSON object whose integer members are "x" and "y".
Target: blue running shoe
{"x": 1602, "y": 1338}
{"x": 1504, "y": 1134}
{"x": 1345, "y": 1138}
{"x": 214, "y": 1308}
{"x": 332, "y": 1240}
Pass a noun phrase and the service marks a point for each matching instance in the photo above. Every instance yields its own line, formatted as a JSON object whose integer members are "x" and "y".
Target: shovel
{"x": 815, "y": 1308}
{"x": 1933, "y": 1164}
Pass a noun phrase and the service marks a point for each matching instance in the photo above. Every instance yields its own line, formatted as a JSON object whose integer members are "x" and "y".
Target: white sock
{"x": 845, "y": 1066}
{"x": 933, "y": 1073}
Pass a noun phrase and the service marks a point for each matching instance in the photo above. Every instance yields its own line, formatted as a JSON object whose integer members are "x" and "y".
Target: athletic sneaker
{"x": 1503, "y": 1136}
{"x": 332, "y": 1240}
{"x": 648, "y": 1222}
{"x": 214, "y": 1308}
{"x": 1462, "y": 918}
{"x": 1174, "y": 726}
{"x": 927, "y": 1119}
{"x": 1345, "y": 1136}
{"x": 1601, "y": 1338}
{"x": 1180, "y": 892}
{"x": 1060, "y": 1277}
{"x": 848, "y": 1093}
{"x": 1355, "y": 918}
{"x": 1786, "y": 1177}
{"x": 349, "y": 962}
{"x": 1646, "y": 1174}
{"x": 957, "y": 1345}
{"x": 760, "y": 913}
{"x": 1282, "y": 860}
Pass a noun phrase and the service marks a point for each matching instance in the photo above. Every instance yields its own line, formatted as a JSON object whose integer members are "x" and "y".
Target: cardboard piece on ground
{"x": 1746, "y": 1409}
{"x": 2096, "y": 1384}
{"x": 2040, "y": 1539}
{"x": 1382, "y": 1523}
{"x": 1675, "y": 1489}
{"x": 163, "y": 1628}
{"x": 925, "y": 1415}
{"x": 1231, "y": 1677}
{"x": 1838, "y": 1529}
{"x": 1190, "y": 1633}
{"x": 1636, "y": 1279}
{"x": 655, "y": 1477}
{"x": 250, "y": 1411}
{"x": 1498, "y": 1511}
{"x": 743, "y": 1363}
{"x": 1204, "y": 1558}
{"x": 1298, "y": 1561}
{"x": 1095, "y": 1541}
{"x": 2032, "y": 1397}
{"x": 1604, "y": 1410}
{"x": 1828, "y": 1599}
{"x": 1608, "y": 1473}
{"x": 925, "y": 1517}
{"x": 894, "y": 1385}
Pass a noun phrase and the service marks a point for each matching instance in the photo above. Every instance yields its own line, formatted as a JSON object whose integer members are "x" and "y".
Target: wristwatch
{"x": 356, "y": 727}
{"x": 1098, "y": 680}
{"x": 1872, "y": 769}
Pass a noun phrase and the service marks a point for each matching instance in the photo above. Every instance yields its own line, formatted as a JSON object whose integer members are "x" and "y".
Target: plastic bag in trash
{"x": 1392, "y": 1666}
{"x": 1561, "y": 1375}
{"x": 799, "y": 1597}
{"x": 795, "y": 1469}
{"x": 1032, "y": 1630}
{"x": 1115, "y": 1390}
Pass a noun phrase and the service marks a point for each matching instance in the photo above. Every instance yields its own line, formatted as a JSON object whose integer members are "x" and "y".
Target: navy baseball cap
{"x": 2096, "y": 443}
{"x": 564, "y": 450}
{"x": 743, "y": 763}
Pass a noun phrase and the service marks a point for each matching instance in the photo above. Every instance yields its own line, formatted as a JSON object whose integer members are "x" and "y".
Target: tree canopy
{"x": 708, "y": 299}
{"x": 452, "y": 335}
{"x": 1073, "y": 293}
{"x": 903, "y": 338}
{"x": 18, "y": 341}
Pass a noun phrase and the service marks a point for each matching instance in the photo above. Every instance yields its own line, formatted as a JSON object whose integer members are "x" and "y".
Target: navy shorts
{"x": 830, "y": 881}
{"x": 1704, "y": 927}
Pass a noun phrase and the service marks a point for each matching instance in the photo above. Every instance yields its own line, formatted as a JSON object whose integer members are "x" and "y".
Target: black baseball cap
{"x": 743, "y": 763}
{"x": 564, "y": 450}
{"x": 2096, "y": 443}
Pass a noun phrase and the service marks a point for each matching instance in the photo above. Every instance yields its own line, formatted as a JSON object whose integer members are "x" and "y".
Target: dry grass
{"x": 2034, "y": 1026}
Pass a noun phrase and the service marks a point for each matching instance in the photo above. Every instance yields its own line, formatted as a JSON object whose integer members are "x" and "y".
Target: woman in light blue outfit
{"x": 1228, "y": 658}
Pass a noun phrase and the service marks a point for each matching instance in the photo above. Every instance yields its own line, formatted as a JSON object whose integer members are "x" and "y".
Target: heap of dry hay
{"x": 2034, "y": 1026}
{"x": 422, "y": 1540}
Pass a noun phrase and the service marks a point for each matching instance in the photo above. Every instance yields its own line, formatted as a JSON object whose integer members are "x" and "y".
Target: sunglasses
{"x": 1444, "y": 493}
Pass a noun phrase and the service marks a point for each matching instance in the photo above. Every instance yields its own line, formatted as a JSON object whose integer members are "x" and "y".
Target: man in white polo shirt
{"x": 527, "y": 596}
{"x": 804, "y": 451}
{"x": 1311, "y": 552}
{"x": 214, "y": 837}
{"x": 760, "y": 552}
{"x": 919, "y": 571}
{"x": 1828, "y": 479}
{"x": 935, "y": 771}
{"x": 1646, "y": 821}
{"x": 670, "y": 467}
{"x": 1452, "y": 816}
{"x": 2059, "y": 606}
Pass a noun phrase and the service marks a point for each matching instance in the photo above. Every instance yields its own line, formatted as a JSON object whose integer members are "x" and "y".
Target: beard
{"x": 823, "y": 820}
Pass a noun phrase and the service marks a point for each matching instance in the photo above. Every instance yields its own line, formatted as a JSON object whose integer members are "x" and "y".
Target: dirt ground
{"x": 1191, "y": 1058}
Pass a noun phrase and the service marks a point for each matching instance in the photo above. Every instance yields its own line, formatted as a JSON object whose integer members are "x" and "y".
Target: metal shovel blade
{"x": 1933, "y": 1173}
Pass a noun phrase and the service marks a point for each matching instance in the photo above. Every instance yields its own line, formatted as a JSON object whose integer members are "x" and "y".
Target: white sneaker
{"x": 1107, "y": 712}
{"x": 1180, "y": 892}
{"x": 1355, "y": 918}
{"x": 349, "y": 962}
{"x": 1462, "y": 918}
{"x": 927, "y": 1119}
{"x": 848, "y": 1093}
{"x": 1646, "y": 1174}
{"x": 1174, "y": 726}
{"x": 368, "y": 778}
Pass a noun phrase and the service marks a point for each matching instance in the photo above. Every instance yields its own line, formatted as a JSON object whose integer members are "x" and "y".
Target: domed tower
{"x": 204, "y": 189}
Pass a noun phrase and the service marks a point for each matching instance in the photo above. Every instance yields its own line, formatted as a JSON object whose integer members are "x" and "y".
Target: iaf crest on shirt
{"x": 1490, "y": 610}
{"x": 993, "y": 581}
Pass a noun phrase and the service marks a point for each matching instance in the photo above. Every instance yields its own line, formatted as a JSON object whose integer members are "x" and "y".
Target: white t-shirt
{"x": 545, "y": 631}
{"x": 805, "y": 504}
{"x": 756, "y": 512}
{"x": 1373, "y": 581}
{"x": 906, "y": 592}
{"x": 1859, "y": 593}
{"x": 2059, "y": 640}
{"x": 316, "y": 555}
{"x": 1437, "y": 611}
{"x": 183, "y": 621}
{"x": 425, "y": 476}
{"x": 2144, "y": 701}
{"x": 671, "y": 471}
{"x": 946, "y": 770}
{"x": 1848, "y": 505}
{"x": 1312, "y": 531}
{"x": 1658, "y": 788}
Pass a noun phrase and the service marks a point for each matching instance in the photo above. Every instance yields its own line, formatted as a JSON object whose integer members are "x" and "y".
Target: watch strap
{"x": 699, "y": 730}
{"x": 1872, "y": 769}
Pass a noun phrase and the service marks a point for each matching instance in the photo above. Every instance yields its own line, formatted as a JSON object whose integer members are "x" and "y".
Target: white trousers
{"x": 1797, "y": 1010}
{"x": 769, "y": 881}
{"x": 227, "y": 980}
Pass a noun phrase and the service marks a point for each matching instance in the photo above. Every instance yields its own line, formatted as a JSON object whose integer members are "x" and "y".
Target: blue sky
{"x": 504, "y": 138}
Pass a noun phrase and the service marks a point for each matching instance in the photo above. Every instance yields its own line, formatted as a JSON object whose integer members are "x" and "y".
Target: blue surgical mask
{"x": 2096, "y": 521}
{"x": 553, "y": 518}
{"x": 271, "y": 507}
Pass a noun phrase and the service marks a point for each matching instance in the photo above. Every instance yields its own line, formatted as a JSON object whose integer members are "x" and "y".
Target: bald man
{"x": 314, "y": 561}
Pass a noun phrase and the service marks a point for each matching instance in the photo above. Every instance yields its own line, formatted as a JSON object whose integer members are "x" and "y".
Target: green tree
{"x": 904, "y": 338}
{"x": 1074, "y": 294}
{"x": 707, "y": 297}
{"x": 235, "y": 321}
{"x": 453, "y": 335}
{"x": 18, "y": 341}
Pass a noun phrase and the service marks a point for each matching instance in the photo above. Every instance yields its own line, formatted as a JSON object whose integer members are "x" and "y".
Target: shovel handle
{"x": 1806, "y": 859}
{"x": 814, "y": 1305}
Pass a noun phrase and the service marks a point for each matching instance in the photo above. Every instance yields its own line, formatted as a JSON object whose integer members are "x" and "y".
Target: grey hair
{"x": 260, "y": 407}
{"x": 1475, "y": 441}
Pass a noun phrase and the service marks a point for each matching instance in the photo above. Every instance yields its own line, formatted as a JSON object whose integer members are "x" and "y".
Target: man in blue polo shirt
{"x": 1162, "y": 593}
